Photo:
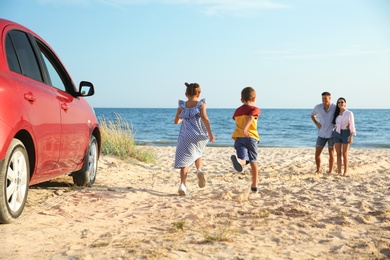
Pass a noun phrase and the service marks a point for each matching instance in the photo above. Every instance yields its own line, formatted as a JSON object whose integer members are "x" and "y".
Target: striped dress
{"x": 193, "y": 135}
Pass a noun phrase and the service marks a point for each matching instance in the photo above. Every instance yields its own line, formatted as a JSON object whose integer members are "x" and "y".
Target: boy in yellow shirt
{"x": 246, "y": 136}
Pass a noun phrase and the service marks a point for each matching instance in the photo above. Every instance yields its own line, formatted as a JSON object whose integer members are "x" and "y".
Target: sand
{"x": 134, "y": 212}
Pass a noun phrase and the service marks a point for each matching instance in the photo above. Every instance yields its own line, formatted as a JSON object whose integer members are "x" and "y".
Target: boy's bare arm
{"x": 247, "y": 124}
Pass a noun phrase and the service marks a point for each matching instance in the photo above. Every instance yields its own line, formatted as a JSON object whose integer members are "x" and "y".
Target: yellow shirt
{"x": 241, "y": 115}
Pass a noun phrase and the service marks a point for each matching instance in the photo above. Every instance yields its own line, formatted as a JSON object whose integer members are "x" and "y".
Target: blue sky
{"x": 139, "y": 53}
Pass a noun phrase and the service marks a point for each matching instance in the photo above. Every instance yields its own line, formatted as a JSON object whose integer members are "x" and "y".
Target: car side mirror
{"x": 86, "y": 89}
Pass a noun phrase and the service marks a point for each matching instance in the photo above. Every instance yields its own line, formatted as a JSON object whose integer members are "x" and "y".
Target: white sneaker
{"x": 183, "y": 190}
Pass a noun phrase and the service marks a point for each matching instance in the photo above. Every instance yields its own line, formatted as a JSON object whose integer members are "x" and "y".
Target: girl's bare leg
{"x": 338, "y": 152}
{"x": 198, "y": 163}
{"x": 183, "y": 175}
{"x": 345, "y": 158}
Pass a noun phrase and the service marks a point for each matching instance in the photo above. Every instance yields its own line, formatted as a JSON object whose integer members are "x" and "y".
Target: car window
{"x": 54, "y": 77}
{"x": 57, "y": 74}
{"x": 25, "y": 55}
{"x": 12, "y": 60}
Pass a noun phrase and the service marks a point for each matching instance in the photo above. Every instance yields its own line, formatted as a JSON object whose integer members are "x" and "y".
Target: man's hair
{"x": 248, "y": 93}
{"x": 325, "y": 94}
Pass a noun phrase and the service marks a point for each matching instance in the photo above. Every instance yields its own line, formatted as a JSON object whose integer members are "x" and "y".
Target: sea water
{"x": 277, "y": 127}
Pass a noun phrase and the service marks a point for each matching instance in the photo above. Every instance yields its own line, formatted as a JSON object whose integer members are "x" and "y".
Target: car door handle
{"x": 64, "y": 106}
{"x": 29, "y": 97}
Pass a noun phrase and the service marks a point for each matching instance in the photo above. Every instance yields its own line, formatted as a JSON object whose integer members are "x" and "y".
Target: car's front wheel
{"x": 14, "y": 182}
{"x": 87, "y": 175}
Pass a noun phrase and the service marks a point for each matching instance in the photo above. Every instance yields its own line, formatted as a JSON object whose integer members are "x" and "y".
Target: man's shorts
{"x": 322, "y": 141}
{"x": 246, "y": 149}
{"x": 341, "y": 137}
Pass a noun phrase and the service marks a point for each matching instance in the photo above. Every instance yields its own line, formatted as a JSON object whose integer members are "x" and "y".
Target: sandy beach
{"x": 134, "y": 212}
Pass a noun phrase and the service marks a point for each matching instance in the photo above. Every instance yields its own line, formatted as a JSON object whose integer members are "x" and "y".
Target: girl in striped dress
{"x": 195, "y": 131}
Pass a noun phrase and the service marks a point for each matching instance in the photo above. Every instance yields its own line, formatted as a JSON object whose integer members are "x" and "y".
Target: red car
{"x": 47, "y": 129}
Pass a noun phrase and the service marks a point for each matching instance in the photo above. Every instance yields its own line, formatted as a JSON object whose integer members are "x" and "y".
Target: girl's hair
{"x": 337, "y": 111}
{"x": 248, "y": 94}
{"x": 193, "y": 89}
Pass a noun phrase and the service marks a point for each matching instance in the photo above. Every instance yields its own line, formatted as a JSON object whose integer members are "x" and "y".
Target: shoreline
{"x": 381, "y": 146}
{"x": 133, "y": 211}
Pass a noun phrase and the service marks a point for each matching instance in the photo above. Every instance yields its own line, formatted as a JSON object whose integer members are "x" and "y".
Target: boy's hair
{"x": 192, "y": 89}
{"x": 248, "y": 93}
{"x": 325, "y": 94}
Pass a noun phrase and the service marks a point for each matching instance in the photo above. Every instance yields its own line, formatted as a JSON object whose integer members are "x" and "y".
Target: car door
{"x": 38, "y": 101}
{"x": 75, "y": 127}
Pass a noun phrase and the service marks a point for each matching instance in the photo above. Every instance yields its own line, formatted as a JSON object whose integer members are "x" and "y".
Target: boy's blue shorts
{"x": 246, "y": 149}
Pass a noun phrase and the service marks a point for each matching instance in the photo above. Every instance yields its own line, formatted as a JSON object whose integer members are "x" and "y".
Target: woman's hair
{"x": 193, "y": 89}
{"x": 337, "y": 111}
{"x": 248, "y": 93}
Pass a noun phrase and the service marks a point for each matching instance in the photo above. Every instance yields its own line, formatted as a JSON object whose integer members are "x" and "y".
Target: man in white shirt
{"x": 322, "y": 116}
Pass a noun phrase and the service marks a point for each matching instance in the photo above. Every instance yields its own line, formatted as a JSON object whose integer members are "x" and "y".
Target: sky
{"x": 139, "y": 53}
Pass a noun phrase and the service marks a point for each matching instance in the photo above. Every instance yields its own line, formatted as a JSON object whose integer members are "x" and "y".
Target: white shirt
{"x": 325, "y": 118}
{"x": 346, "y": 121}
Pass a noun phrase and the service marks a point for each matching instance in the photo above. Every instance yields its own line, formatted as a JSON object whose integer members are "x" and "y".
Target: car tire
{"x": 14, "y": 182}
{"x": 87, "y": 175}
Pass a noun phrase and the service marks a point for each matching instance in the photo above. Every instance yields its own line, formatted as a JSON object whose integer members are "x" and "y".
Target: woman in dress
{"x": 343, "y": 133}
{"x": 195, "y": 131}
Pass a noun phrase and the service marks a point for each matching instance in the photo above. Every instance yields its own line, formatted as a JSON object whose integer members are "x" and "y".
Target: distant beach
{"x": 134, "y": 212}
